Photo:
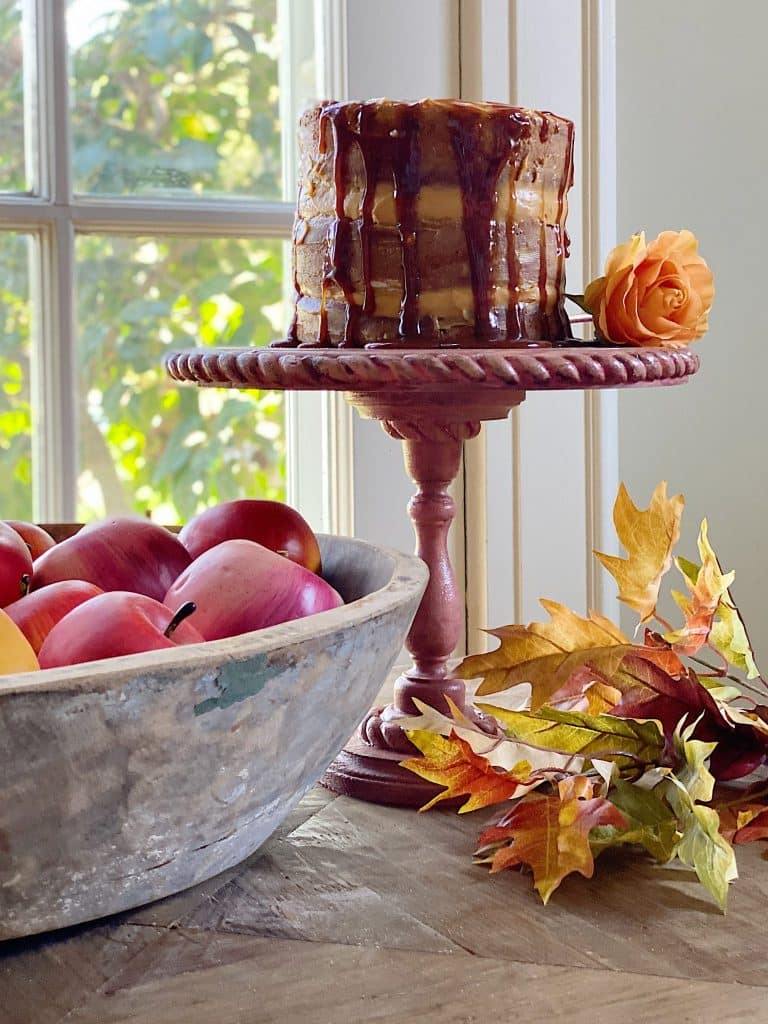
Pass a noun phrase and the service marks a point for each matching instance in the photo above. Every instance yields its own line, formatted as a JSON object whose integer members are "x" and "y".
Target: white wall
{"x": 692, "y": 90}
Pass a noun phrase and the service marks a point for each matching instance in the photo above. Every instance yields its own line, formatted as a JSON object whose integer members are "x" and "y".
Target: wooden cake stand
{"x": 432, "y": 401}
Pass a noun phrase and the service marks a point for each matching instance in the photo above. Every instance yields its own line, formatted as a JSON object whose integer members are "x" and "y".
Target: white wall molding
{"x": 540, "y": 486}
{"x": 601, "y": 441}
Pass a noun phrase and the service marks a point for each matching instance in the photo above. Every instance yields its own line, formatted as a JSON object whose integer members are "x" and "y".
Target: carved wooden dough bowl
{"x": 131, "y": 779}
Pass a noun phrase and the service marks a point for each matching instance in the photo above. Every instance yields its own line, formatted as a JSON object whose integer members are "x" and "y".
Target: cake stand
{"x": 431, "y": 400}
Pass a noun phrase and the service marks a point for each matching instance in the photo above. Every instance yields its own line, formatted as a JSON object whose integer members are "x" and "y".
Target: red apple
{"x": 240, "y": 585}
{"x": 15, "y": 565}
{"x": 271, "y": 523}
{"x": 38, "y": 612}
{"x": 125, "y": 553}
{"x": 35, "y": 537}
{"x": 115, "y": 624}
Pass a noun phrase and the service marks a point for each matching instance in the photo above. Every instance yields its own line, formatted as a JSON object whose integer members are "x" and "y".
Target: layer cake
{"x": 429, "y": 224}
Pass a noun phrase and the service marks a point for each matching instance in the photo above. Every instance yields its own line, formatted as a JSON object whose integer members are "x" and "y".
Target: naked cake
{"x": 432, "y": 223}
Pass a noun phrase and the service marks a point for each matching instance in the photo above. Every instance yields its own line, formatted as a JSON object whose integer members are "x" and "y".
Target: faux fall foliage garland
{"x": 618, "y": 742}
{"x": 615, "y": 742}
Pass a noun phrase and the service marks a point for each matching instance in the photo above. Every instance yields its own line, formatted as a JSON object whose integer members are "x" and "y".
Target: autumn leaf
{"x": 550, "y": 655}
{"x": 648, "y": 537}
{"x": 574, "y": 732}
{"x": 550, "y": 834}
{"x": 729, "y": 637}
{"x": 651, "y": 823}
{"x": 649, "y": 692}
{"x": 490, "y": 743}
{"x": 701, "y": 845}
{"x": 451, "y": 762}
{"x": 744, "y": 823}
{"x": 707, "y": 589}
{"x": 728, "y": 634}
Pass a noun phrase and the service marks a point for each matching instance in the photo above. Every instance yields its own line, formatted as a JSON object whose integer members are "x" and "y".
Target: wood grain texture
{"x": 354, "y": 912}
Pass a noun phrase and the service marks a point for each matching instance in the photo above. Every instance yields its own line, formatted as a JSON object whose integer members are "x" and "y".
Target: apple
{"x": 15, "y": 565}
{"x": 16, "y": 654}
{"x": 270, "y": 523}
{"x": 38, "y": 612}
{"x": 240, "y": 585}
{"x": 115, "y": 624}
{"x": 122, "y": 553}
{"x": 35, "y": 537}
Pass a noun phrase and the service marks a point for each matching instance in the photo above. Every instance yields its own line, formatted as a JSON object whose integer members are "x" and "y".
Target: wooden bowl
{"x": 126, "y": 780}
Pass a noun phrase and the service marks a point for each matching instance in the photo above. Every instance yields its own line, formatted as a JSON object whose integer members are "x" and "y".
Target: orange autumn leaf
{"x": 707, "y": 585}
{"x": 648, "y": 536}
{"x": 551, "y": 834}
{"x": 563, "y": 657}
{"x": 743, "y": 823}
{"x": 451, "y": 762}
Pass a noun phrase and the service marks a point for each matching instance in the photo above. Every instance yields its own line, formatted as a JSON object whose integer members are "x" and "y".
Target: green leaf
{"x": 704, "y": 849}
{"x": 575, "y": 732}
{"x": 693, "y": 774}
{"x": 652, "y": 823}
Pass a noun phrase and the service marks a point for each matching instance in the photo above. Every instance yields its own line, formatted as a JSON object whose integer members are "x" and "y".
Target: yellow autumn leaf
{"x": 549, "y": 655}
{"x": 706, "y": 590}
{"x": 648, "y": 536}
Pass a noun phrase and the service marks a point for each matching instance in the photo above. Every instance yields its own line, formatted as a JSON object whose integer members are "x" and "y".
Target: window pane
{"x": 13, "y": 176}
{"x": 181, "y": 98}
{"x": 15, "y": 409}
{"x": 146, "y": 443}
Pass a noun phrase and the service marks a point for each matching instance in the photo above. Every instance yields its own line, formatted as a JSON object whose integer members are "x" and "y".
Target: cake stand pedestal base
{"x": 432, "y": 427}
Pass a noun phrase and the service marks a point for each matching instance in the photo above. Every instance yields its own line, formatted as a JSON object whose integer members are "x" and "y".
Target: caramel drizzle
{"x": 563, "y": 328}
{"x": 392, "y": 150}
{"x": 482, "y": 149}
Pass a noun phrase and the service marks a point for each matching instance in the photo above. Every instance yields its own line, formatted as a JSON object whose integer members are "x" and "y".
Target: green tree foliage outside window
{"x": 168, "y": 99}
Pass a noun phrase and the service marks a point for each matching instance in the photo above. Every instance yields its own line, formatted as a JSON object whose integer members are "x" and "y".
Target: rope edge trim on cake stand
{"x": 348, "y": 370}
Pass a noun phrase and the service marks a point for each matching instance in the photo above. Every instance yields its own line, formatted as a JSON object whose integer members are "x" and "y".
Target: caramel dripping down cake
{"x": 429, "y": 224}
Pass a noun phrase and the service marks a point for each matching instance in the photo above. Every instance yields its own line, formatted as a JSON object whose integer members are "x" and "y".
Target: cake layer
{"x": 436, "y": 222}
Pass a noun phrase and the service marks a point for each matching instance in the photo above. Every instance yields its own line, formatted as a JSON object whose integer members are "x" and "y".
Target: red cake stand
{"x": 432, "y": 400}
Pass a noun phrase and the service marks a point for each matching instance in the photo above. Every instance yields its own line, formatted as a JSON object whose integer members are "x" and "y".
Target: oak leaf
{"x": 648, "y": 536}
{"x": 651, "y": 822}
{"x": 701, "y": 845}
{"x": 561, "y": 657}
{"x": 707, "y": 588}
{"x": 575, "y": 732}
{"x": 550, "y": 834}
{"x": 451, "y": 762}
{"x": 743, "y": 823}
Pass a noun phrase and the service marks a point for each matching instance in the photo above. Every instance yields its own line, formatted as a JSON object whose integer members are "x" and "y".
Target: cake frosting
{"x": 432, "y": 223}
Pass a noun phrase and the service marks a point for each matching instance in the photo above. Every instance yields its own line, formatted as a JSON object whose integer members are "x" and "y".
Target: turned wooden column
{"x": 432, "y": 429}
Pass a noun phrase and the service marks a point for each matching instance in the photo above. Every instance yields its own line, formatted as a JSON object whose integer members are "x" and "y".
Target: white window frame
{"x": 316, "y": 426}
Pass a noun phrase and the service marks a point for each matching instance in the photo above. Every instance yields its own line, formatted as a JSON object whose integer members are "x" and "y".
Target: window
{"x": 146, "y": 199}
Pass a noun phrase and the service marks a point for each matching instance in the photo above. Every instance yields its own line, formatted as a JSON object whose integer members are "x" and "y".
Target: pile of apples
{"x": 126, "y": 585}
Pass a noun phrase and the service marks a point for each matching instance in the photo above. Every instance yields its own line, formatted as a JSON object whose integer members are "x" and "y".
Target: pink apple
{"x": 271, "y": 523}
{"x": 35, "y": 537}
{"x": 15, "y": 565}
{"x": 38, "y": 612}
{"x": 123, "y": 553}
{"x": 239, "y": 586}
{"x": 115, "y": 624}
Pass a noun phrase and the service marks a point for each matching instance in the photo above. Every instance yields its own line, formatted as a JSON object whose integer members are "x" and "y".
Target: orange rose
{"x": 656, "y": 294}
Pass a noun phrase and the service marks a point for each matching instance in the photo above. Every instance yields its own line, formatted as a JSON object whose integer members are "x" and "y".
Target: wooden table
{"x": 354, "y": 912}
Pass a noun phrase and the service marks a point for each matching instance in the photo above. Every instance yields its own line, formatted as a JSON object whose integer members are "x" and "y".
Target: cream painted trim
{"x": 481, "y": 24}
{"x": 601, "y": 443}
{"x": 339, "y": 494}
